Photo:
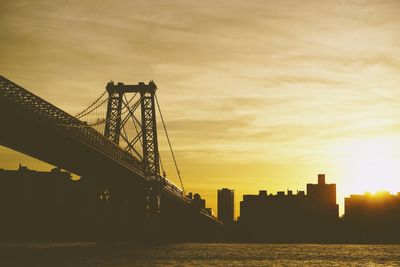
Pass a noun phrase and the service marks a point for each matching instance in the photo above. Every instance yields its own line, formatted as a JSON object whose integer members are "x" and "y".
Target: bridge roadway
{"x": 34, "y": 127}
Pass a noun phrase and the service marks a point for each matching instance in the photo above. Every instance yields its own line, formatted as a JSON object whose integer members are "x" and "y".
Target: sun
{"x": 369, "y": 165}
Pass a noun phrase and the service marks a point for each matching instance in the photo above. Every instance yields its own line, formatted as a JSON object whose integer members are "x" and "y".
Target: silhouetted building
{"x": 199, "y": 203}
{"x": 367, "y": 207}
{"x": 38, "y": 204}
{"x": 226, "y": 206}
{"x": 290, "y": 216}
{"x": 322, "y": 198}
{"x": 373, "y": 217}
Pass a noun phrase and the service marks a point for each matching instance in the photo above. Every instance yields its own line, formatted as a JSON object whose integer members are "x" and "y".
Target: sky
{"x": 256, "y": 94}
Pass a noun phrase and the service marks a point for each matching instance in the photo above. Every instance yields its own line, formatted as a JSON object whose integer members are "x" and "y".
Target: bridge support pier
{"x": 127, "y": 211}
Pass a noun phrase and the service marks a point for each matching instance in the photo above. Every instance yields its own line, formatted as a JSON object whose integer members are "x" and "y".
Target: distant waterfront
{"x": 197, "y": 254}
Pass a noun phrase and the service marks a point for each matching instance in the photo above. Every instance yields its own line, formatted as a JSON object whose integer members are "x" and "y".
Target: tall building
{"x": 322, "y": 192}
{"x": 226, "y": 205}
{"x": 322, "y": 197}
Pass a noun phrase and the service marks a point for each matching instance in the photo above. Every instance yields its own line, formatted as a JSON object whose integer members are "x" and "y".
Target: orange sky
{"x": 256, "y": 94}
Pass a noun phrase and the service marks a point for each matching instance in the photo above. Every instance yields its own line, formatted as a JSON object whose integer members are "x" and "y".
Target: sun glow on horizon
{"x": 369, "y": 165}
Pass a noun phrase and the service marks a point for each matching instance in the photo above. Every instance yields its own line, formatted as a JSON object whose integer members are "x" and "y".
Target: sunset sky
{"x": 256, "y": 94}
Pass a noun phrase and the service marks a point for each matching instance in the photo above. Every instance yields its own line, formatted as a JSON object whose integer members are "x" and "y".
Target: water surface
{"x": 197, "y": 254}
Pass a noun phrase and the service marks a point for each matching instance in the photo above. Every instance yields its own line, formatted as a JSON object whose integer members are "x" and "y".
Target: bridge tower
{"x": 147, "y": 135}
{"x": 114, "y": 121}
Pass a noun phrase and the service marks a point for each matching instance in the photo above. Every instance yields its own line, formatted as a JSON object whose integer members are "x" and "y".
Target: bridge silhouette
{"x": 114, "y": 143}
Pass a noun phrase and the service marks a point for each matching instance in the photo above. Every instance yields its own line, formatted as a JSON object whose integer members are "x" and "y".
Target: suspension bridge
{"x": 114, "y": 143}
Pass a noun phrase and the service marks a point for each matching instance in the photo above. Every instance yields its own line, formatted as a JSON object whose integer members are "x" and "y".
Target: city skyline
{"x": 272, "y": 96}
{"x": 310, "y": 216}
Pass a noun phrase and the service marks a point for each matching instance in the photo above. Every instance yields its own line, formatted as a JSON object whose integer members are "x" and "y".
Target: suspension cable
{"x": 170, "y": 146}
{"x": 93, "y": 109}
{"x": 91, "y": 105}
{"x": 133, "y": 118}
{"x": 103, "y": 121}
{"x": 87, "y": 125}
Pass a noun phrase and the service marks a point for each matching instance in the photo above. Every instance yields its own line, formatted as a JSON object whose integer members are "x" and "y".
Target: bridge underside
{"x": 23, "y": 132}
{"x": 125, "y": 213}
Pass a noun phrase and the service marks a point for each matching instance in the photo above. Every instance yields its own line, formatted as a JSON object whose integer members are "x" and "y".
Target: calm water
{"x": 87, "y": 254}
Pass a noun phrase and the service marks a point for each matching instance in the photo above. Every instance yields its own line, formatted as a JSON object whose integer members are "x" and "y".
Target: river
{"x": 197, "y": 254}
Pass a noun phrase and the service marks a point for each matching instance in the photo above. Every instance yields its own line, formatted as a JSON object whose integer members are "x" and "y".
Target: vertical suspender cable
{"x": 170, "y": 146}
